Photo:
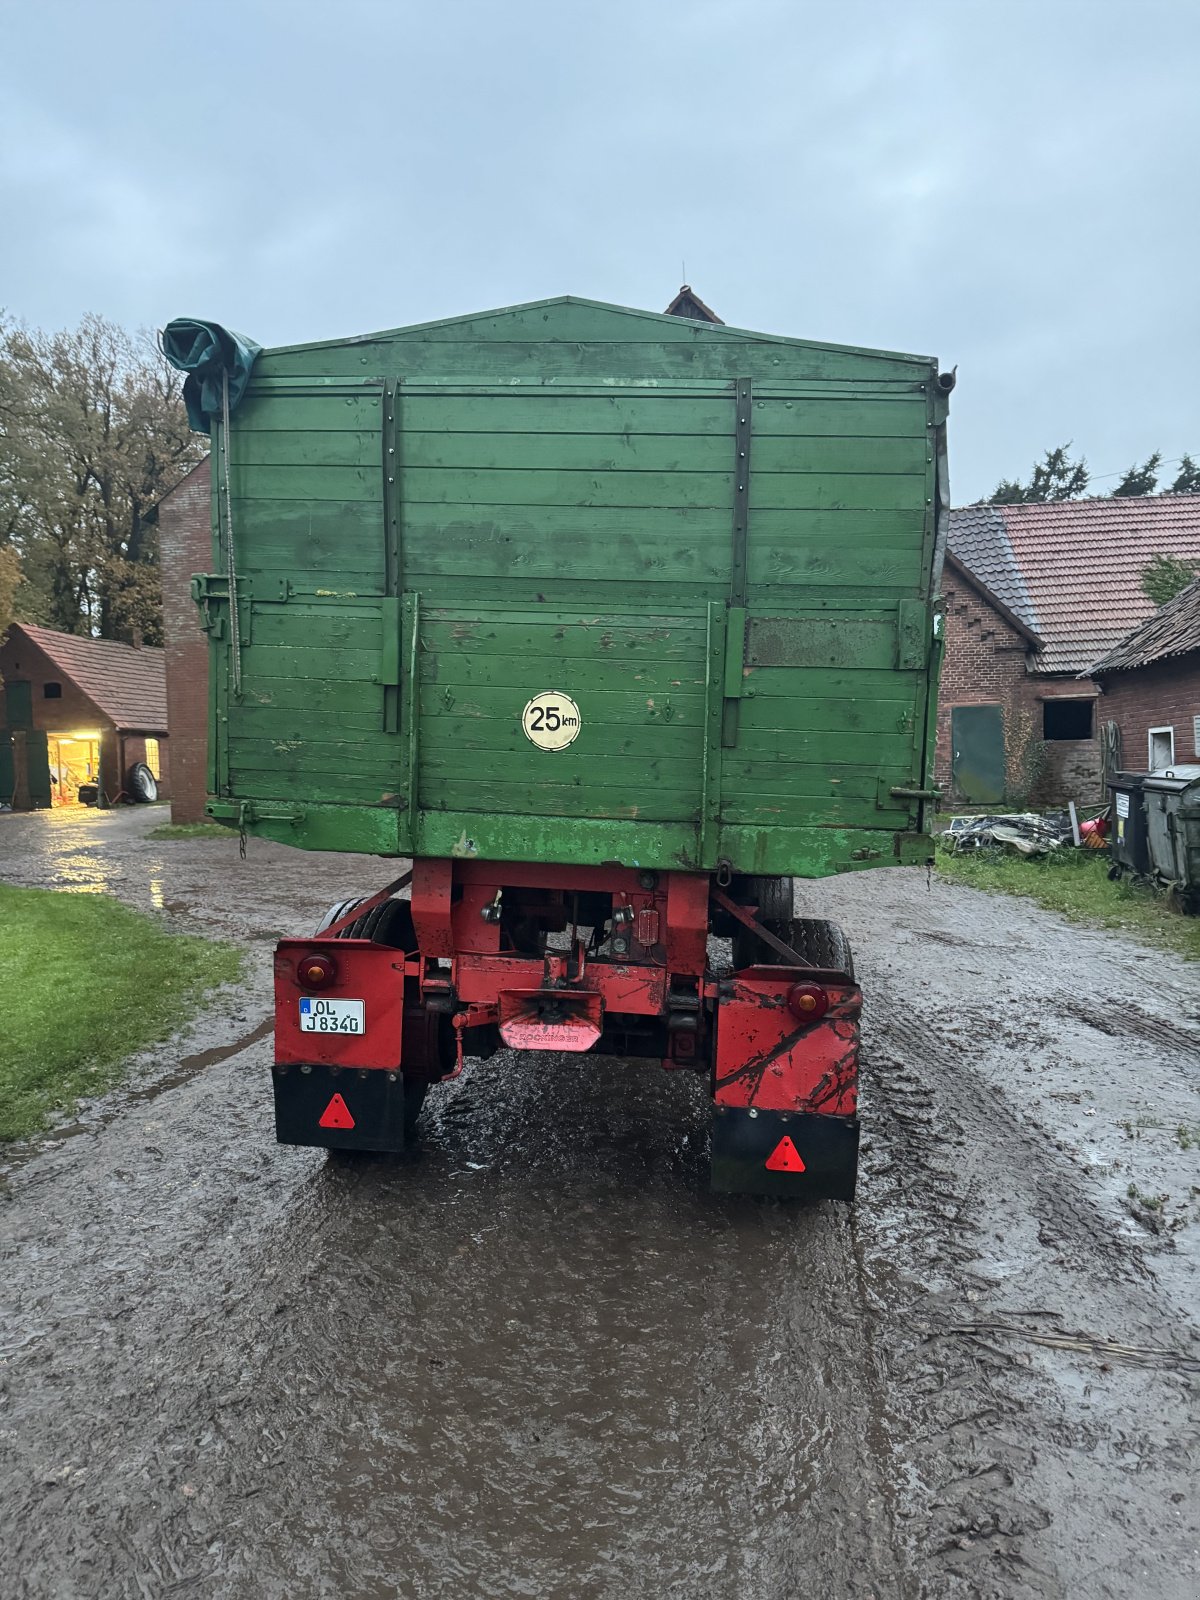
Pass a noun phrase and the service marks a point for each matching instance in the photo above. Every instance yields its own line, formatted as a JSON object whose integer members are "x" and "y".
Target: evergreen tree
{"x": 1140, "y": 480}
{"x": 1055, "y": 477}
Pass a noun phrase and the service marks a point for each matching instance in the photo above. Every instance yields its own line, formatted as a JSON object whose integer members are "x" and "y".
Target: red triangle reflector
{"x": 336, "y": 1114}
{"x": 784, "y": 1158}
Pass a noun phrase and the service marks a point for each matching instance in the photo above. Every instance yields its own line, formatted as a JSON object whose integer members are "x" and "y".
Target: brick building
{"x": 78, "y": 714}
{"x": 185, "y": 548}
{"x": 1035, "y": 595}
{"x": 1151, "y": 687}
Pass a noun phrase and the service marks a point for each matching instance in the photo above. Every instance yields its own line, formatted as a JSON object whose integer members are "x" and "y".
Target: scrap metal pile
{"x": 1026, "y": 832}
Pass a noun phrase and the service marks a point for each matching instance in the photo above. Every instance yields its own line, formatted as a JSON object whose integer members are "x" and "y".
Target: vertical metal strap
{"x": 738, "y": 580}
{"x": 714, "y": 673}
{"x": 744, "y": 397}
{"x": 410, "y": 606}
{"x": 391, "y": 488}
{"x": 393, "y": 577}
{"x": 235, "y": 623}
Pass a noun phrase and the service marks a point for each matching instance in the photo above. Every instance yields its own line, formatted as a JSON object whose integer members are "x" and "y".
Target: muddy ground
{"x": 541, "y": 1360}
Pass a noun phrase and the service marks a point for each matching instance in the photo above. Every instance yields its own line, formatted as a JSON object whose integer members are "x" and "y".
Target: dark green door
{"x": 977, "y": 760}
{"x": 37, "y": 753}
{"x": 18, "y": 697}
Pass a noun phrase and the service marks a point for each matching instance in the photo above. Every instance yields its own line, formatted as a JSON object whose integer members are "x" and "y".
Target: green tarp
{"x": 208, "y": 353}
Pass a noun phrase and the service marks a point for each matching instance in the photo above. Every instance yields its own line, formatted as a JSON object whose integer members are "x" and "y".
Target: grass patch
{"x": 191, "y": 830}
{"x": 1075, "y": 883}
{"x": 86, "y": 982}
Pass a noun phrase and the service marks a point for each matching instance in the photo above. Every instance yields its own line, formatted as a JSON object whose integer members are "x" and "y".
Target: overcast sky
{"x": 1008, "y": 186}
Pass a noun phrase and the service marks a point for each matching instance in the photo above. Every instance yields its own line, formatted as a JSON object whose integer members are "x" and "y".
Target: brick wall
{"x": 185, "y": 548}
{"x": 985, "y": 664}
{"x": 1164, "y": 694}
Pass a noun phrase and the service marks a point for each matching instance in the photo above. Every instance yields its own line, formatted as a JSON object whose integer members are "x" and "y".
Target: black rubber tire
{"x": 814, "y": 939}
{"x": 141, "y": 783}
{"x": 823, "y": 943}
{"x": 772, "y": 896}
{"x": 389, "y": 923}
{"x": 337, "y": 911}
{"x": 775, "y": 898}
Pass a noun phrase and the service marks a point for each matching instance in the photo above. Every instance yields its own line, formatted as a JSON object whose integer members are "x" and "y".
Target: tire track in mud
{"x": 1125, "y": 1019}
{"x": 992, "y": 1224}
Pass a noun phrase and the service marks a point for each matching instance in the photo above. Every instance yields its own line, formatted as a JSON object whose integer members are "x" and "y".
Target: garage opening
{"x": 1067, "y": 719}
{"x": 74, "y": 765}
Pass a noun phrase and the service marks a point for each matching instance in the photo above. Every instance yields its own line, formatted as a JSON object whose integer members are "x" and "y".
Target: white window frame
{"x": 1150, "y": 733}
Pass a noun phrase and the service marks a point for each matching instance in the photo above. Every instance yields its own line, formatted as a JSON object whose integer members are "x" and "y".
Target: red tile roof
{"x": 127, "y": 685}
{"x": 1172, "y": 631}
{"x": 1079, "y": 564}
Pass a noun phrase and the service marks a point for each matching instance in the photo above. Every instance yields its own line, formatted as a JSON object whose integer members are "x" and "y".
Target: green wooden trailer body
{"x": 716, "y": 550}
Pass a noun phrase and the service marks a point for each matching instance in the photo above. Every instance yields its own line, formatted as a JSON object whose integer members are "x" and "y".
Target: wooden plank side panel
{"x": 652, "y": 489}
{"x": 267, "y": 410}
{"x": 599, "y": 360}
{"x": 628, "y": 411}
{"x": 319, "y": 546}
{"x": 564, "y": 636}
{"x": 624, "y": 451}
{"x": 478, "y": 549}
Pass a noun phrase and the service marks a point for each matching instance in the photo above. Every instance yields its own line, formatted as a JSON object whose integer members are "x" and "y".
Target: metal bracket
{"x": 210, "y": 592}
{"x": 748, "y": 919}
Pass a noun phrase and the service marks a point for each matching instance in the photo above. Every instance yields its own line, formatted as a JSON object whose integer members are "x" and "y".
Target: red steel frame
{"x": 765, "y": 1059}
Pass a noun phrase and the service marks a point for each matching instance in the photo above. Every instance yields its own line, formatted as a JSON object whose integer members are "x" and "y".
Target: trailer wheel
{"x": 774, "y": 898}
{"x": 337, "y": 911}
{"x": 814, "y": 939}
{"x": 390, "y": 923}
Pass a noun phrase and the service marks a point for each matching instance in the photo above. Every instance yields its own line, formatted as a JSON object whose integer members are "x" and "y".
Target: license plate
{"x": 332, "y": 1016}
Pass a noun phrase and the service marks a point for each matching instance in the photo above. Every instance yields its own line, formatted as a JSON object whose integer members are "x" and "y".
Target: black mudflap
{"x": 790, "y": 1154}
{"x": 346, "y": 1109}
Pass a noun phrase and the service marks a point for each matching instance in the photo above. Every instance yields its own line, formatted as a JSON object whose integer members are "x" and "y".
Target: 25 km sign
{"x": 551, "y": 720}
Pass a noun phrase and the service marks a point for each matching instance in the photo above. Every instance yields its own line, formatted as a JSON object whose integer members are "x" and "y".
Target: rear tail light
{"x": 316, "y": 971}
{"x": 807, "y": 1002}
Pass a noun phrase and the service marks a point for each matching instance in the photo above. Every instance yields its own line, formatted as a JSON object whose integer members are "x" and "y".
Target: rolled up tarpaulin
{"x": 209, "y": 354}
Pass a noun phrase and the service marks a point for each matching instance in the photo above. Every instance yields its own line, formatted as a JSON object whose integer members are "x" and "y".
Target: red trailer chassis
{"x": 392, "y": 996}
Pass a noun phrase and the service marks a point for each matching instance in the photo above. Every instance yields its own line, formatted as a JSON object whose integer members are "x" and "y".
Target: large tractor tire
{"x": 141, "y": 783}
